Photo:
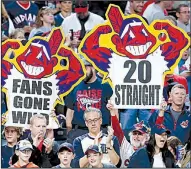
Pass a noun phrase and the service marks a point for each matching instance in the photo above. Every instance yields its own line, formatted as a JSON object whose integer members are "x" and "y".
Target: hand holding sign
{"x": 4, "y": 118}
{"x": 110, "y": 107}
{"x": 163, "y": 107}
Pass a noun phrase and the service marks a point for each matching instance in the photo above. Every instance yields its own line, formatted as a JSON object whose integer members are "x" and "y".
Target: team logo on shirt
{"x": 86, "y": 101}
{"x": 184, "y": 124}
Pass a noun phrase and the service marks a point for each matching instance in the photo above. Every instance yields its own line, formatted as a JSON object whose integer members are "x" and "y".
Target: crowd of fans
{"x": 140, "y": 137}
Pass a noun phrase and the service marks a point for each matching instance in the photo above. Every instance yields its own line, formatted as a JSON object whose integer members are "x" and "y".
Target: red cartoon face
{"x": 134, "y": 41}
{"x": 36, "y": 62}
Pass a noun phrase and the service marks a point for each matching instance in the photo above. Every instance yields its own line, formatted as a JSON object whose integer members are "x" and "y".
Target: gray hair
{"x": 180, "y": 86}
{"x": 92, "y": 109}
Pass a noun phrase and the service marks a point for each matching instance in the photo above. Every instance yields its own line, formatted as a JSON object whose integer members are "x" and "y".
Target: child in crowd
{"x": 94, "y": 156}
{"x": 24, "y": 150}
{"x": 12, "y": 136}
{"x": 66, "y": 155}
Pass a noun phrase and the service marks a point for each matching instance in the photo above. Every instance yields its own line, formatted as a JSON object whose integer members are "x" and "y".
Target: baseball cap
{"x": 81, "y": 6}
{"x": 94, "y": 148}
{"x": 23, "y": 145}
{"x": 159, "y": 129}
{"x": 139, "y": 127}
{"x": 66, "y": 146}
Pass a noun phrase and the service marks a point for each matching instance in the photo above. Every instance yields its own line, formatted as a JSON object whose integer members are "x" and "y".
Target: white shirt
{"x": 72, "y": 22}
{"x": 153, "y": 12}
{"x": 158, "y": 161}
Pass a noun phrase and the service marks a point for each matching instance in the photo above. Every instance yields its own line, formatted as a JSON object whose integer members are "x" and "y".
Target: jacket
{"x": 42, "y": 159}
{"x": 29, "y": 165}
{"x": 142, "y": 159}
{"x": 181, "y": 129}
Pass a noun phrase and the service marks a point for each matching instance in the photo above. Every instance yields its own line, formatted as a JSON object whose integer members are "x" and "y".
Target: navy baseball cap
{"x": 159, "y": 129}
{"x": 66, "y": 146}
{"x": 94, "y": 148}
{"x": 81, "y": 6}
{"x": 139, "y": 127}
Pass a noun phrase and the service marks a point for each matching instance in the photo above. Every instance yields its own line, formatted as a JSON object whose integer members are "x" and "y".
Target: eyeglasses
{"x": 92, "y": 121}
{"x": 185, "y": 12}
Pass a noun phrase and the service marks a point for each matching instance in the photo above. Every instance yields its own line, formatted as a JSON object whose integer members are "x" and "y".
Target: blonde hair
{"x": 16, "y": 31}
{"x": 37, "y": 116}
{"x": 41, "y": 12}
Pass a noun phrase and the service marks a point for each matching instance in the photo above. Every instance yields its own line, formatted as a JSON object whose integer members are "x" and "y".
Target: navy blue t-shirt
{"x": 6, "y": 153}
{"x": 20, "y": 16}
{"x": 87, "y": 95}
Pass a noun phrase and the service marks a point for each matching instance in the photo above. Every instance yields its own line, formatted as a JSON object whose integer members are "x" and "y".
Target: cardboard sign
{"x": 134, "y": 56}
{"x": 37, "y": 76}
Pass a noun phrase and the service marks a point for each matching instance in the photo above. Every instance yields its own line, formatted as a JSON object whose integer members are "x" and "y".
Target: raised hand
{"x": 37, "y": 139}
{"x": 96, "y": 139}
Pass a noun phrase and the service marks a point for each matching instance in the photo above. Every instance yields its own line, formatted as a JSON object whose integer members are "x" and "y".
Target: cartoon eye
{"x": 131, "y": 34}
{"x": 29, "y": 51}
{"x": 145, "y": 33}
{"x": 63, "y": 62}
{"x": 39, "y": 55}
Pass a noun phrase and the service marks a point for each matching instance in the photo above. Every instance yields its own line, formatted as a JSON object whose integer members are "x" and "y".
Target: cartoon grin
{"x": 138, "y": 50}
{"x": 32, "y": 70}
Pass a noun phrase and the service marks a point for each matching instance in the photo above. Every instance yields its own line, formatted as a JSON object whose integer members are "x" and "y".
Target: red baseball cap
{"x": 81, "y": 6}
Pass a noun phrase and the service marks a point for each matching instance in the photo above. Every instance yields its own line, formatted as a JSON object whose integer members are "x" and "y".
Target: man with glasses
{"x": 89, "y": 93}
{"x": 24, "y": 151}
{"x": 183, "y": 15}
{"x": 108, "y": 144}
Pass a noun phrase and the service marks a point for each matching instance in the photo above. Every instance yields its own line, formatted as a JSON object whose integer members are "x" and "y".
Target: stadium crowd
{"x": 99, "y": 135}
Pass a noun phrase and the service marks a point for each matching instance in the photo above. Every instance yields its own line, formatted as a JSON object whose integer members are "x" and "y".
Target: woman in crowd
{"x": 156, "y": 153}
{"x": 44, "y": 22}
